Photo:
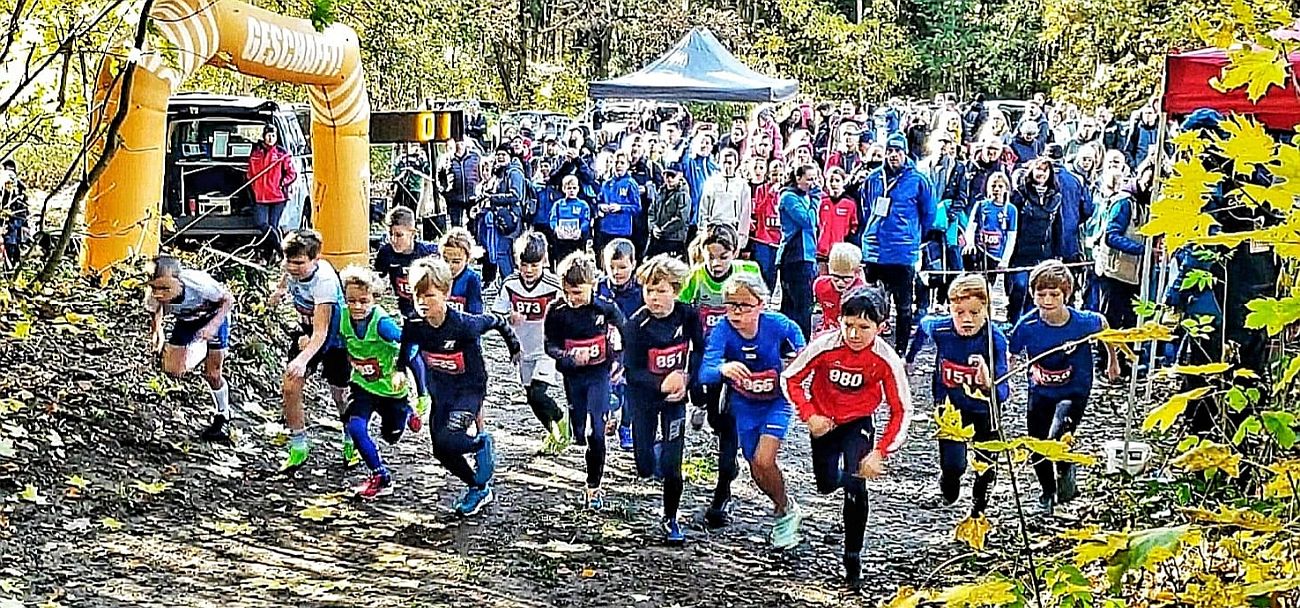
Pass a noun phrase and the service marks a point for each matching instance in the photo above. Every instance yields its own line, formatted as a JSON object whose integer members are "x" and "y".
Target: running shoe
{"x": 785, "y": 532}
{"x": 673, "y": 535}
{"x": 719, "y": 517}
{"x": 625, "y": 438}
{"x": 697, "y": 418}
{"x": 422, "y": 405}
{"x": 351, "y": 457}
{"x": 1066, "y": 484}
{"x": 485, "y": 461}
{"x": 1047, "y": 504}
{"x": 853, "y": 571}
{"x": 218, "y": 431}
{"x": 473, "y": 501}
{"x": 296, "y": 457}
{"x": 595, "y": 499}
{"x": 564, "y": 434}
{"x": 377, "y": 485}
{"x": 413, "y": 422}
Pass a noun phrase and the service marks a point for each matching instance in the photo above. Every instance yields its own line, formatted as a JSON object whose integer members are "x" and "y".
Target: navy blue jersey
{"x": 397, "y": 267}
{"x": 655, "y": 347}
{"x": 628, "y": 296}
{"x": 777, "y": 338}
{"x": 452, "y": 352}
{"x": 1066, "y": 373}
{"x": 467, "y": 292}
{"x": 595, "y": 328}
{"x": 955, "y": 364}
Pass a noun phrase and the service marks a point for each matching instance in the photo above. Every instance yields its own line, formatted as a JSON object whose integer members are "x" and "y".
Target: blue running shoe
{"x": 625, "y": 438}
{"x": 673, "y": 535}
{"x": 595, "y": 499}
{"x": 485, "y": 461}
{"x": 474, "y": 500}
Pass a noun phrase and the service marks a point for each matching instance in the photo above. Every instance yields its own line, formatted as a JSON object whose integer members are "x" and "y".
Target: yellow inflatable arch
{"x": 125, "y": 203}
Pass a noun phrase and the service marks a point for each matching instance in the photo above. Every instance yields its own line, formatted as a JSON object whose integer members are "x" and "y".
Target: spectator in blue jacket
{"x": 500, "y": 217}
{"x": 1076, "y": 204}
{"x": 464, "y": 167}
{"x": 1026, "y": 145}
{"x": 620, "y": 204}
{"x": 546, "y": 197}
{"x": 1119, "y": 270}
{"x": 570, "y": 220}
{"x": 576, "y": 163}
{"x": 898, "y": 211}
{"x": 1142, "y": 136}
{"x": 797, "y": 253}
{"x": 696, "y": 169}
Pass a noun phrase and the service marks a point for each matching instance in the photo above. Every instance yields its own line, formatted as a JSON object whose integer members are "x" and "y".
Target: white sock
{"x": 340, "y": 396}
{"x": 221, "y": 398}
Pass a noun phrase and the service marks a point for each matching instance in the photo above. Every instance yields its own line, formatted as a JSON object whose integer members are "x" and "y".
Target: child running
{"x": 202, "y": 307}
{"x": 377, "y": 384}
{"x": 448, "y": 341}
{"x": 663, "y": 346}
{"x": 703, "y": 290}
{"x": 1061, "y": 382}
{"x": 844, "y": 274}
{"x": 467, "y": 286}
{"x": 318, "y": 296}
{"x": 962, "y": 375}
{"x": 396, "y": 255}
{"x": 524, "y": 300}
{"x": 747, "y": 352}
{"x": 583, "y": 332}
{"x": 836, "y": 384}
{"x": 621, "y": 287}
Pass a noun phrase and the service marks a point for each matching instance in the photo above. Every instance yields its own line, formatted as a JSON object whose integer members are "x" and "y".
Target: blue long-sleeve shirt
{"x": 624, "y": 195}
{"x": 467, "y": 292}
{"x": 1121, "y": 215}
{"x": 798, "y": 226}
{"x": 764, "y": 355}
{"x": 1076, "y": 203}
{"x": 696, "y": 170}
{"x": 955, "y": 363}
{"x": 892, "y": 231}
{"x": 567, "y": 214}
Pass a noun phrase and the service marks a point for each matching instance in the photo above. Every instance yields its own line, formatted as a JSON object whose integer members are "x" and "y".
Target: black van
{"x": 209, "y": 140}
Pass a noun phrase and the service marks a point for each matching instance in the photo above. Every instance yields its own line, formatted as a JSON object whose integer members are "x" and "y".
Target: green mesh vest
{"x": 374, "y": 360}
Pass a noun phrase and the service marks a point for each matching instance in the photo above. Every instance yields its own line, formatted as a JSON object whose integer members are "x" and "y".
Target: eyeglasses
{"x": 841, "y": 278}
{"x": 740, "y": 306}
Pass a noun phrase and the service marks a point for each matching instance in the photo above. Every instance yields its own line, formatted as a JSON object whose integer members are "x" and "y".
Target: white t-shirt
{"x": 531, "y": 304}
{"x": 200, "y": 298}
{"x": 321, "y": 287}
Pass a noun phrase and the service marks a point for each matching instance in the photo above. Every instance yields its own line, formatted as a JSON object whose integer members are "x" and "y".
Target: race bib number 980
{"x": 846, "y": 379}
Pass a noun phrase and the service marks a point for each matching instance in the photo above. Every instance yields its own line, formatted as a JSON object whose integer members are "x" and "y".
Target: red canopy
{"x": 1187, "y": 88}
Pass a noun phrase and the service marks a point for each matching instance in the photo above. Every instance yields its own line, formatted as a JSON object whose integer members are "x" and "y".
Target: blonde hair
{"x": 663, "y": 268}
{"x": 359, "y": 276}
{"x": 746, "y": 281}
{"x": 969, "y": 286}
{"x": 844, "y": 257}
{"x": 458, "y": 238}
{"x": 577, "y": 268}
{"x": 428, "y": 274}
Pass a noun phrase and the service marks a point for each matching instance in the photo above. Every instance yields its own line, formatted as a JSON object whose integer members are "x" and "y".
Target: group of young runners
{"x": 644, "y": 339}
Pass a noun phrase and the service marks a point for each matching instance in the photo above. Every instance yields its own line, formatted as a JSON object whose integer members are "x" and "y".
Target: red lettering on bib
{"x": 368, "y": 368}
{"x": 1047, "y": 377}
{"x": 710, "y": 316}
{"x": 446, "y": 363}
{"x": 846, "y": 379}
{"x": 955, "y": 374}
{"x": 666, "y": 360}
{"x": 594, "y": 347}
{"x": 531, "y": 309}
{"x": 760, "y": 385}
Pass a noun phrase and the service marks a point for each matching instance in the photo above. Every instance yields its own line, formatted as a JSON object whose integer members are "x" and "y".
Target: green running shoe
{"x": 785, "y": 533}
{"x": 296, "y": 457}
{"x": 351, "y": 457}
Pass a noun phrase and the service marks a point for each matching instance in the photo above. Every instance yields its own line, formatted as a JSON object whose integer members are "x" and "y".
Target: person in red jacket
{"x": 765, "y": 235}
{"x": 837, "y": 216}
{"x": 836, "y": 384}
{"x": 271, "y": 175}
{"x": 843, "y": 275}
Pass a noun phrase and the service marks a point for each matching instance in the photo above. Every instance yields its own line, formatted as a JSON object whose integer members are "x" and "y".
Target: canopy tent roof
{"x": 697, "y": 68}
{"x": 1187, "y": 89}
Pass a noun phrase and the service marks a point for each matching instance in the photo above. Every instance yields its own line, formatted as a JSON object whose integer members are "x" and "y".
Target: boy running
{"x": 836, "y": 384}
{"x": 448, "y": 341}
{"x": 620, "y": 286}
{"x": 202, "y": 307}
{"x": 467, "y": 286}
{"x": 962, "y": 375}
{"x": 396, "y": 255}
{"x": 583, "y": 335}
{"x": 1059, "y": 383}
{"x": 318, "y": 297}
{"x": 747, "y": 352}
{"x": 524, "y": 299}
{"x": 663, "y": 347}
{"x": 377, "y": 386}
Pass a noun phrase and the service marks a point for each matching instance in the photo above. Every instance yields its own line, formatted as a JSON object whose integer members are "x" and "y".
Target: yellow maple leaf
{"x": 1285, "y": 480}
{"x": 905, "y": 597}
{"x": 1147, "y": 332}
{"x": 1273, "y": 197}
{"x": 950, "y": 427}
{"x": 78, "y": 482}
{"x": 1057, "y": 451}
{"x": 316, "y": 513}
{"x": 1191, "y": 142}
{"x": 973, "y": 531}
{"x": 1176, "y": 213}
{"x": 990, "y": 592}
{"x": 1113, "y": 543}
{"x": 1163, "y": 417}
{"x": 1208, "y": 369}
{"x": 1244, "y": 518}
{"x": 1209, "y": 455}
{"x": 22, "y": 330}
{"x": 1254, "y": 68}
{"x": 1246, "y": 143}
{"x": 110, "y": 523}
{"x": 156, "y": 487}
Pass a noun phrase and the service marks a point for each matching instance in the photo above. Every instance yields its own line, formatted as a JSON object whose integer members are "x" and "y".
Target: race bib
{"x": 445, "y": 363}
{"x": 955, "y": 374}
{"x": 368, "y": 369}
{"x": 531, "y": 309}
{"x": 568, "y": 230}
{"x": 403, "y": 288}
{"x": 596, "y": 348}
{"x": 847, "y": 380}
{"x": 773, "y": 222}
{"x": 710, "y": 316}
{"x": 990, "y": 239}
{"x": 761, "y": 386}
{"x": 1047, "y": 377}
{"x": 669, "y": 359}
{"x": 456, "y": 303}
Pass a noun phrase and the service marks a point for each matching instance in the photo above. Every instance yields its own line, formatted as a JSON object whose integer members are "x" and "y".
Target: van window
{"x": 217, "y": 139}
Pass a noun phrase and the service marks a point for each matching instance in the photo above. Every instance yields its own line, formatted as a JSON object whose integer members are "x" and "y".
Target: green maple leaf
{"x": 1273, "y": 314}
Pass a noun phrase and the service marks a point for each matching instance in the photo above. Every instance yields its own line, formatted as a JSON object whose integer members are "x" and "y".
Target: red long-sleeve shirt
{"x": 830, "y": 379}
{"x": 829, "y": 298}
{"x": 766, "y": 227}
